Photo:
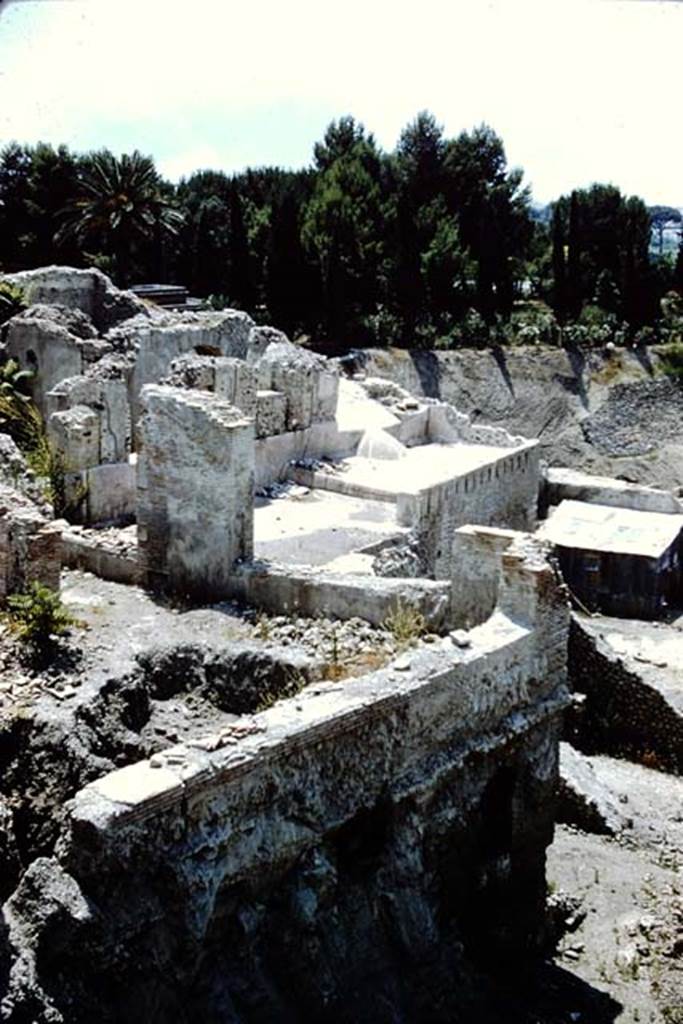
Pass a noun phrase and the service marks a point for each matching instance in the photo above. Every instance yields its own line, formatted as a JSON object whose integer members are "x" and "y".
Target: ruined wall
{"x": 160, "y": 342}
{"x": 559, "y": 484}
{"x": 195, "y": 490}
{"x": 361, "y": 852}
{"x": 309, "y": 383}
{"x": 502, "y": 494}
{"x": 477, "y": 553}
{"x": 229, "y": 378}
{"x": 89, "y": 423}
{"x": 47, "y": 349}
{"x": 108, "y": 398}
{"x": 30, "y": 545}
{"x": 89, "y": 291}
{"x": 296, "y": 590}
{"x": 621, "y": 715}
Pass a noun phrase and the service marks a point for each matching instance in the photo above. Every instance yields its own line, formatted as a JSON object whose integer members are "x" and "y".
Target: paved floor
{"x": 314, "y": 527}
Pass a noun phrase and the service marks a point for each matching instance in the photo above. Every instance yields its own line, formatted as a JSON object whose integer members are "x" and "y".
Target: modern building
{"x": 617, "y": 560}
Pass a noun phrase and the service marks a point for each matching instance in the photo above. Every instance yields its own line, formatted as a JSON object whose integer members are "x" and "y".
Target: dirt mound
{"x": 636, "y": 418}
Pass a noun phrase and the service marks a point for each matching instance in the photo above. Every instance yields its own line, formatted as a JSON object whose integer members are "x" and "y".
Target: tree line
{"x": 436, "y": 243}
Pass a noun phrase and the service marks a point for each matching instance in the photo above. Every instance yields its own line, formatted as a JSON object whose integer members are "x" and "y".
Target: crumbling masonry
{"x": 361, "y": 849}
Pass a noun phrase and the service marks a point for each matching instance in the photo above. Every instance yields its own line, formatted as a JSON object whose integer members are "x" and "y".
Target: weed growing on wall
{"x": 21, "y": 419}
{"x": 406, "y": 624}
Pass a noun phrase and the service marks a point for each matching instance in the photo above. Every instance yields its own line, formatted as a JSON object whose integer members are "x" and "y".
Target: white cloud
{"x": 580, "y": 90}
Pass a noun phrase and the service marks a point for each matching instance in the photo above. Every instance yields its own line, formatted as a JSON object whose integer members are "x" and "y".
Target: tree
{"x": 15, "y": 170}
{"x": 342, "y": 229}
{"x": 678, "y": 270}
{"x": 607, "y": 294}
{"x": 560, "y": 298}
{"x": 606, "y": 255}
{"x": 119, "y": 207}
{"x": 660, "y": 216}
{"x": 242, "y": 288}
{"x": 293, "y": 282}
{"x": 494, "y": 215}
{"x": 418, "y": 171}
{"x": 203, "y": 260}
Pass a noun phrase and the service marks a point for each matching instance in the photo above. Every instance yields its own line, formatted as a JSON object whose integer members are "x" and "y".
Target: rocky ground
{"x": 137, "y": 674}
{"x": 625, "y": 935}
{"x": 616, "y": 899}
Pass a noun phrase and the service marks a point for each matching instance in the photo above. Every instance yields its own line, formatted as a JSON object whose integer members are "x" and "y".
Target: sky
{"x": 579, "y": 90}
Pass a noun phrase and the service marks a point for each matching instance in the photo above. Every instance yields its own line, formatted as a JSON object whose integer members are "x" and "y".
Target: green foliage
{"x": 672, "y": 360}
{"x": 120, "y": 204}
{"x": 342, "y": 228}
{"x": 406, "y": 624}
{"x": 11, "y": 301}
{"x": 432, "y": 244}
{"x": 20, "y": 418}
{"x": 15, "y": 382}
{"x": 600, "y": 256}
{"x": 38, "y": 616}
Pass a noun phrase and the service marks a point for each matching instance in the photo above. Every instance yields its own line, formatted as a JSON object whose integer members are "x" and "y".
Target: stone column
{"x": 195, "y": 491}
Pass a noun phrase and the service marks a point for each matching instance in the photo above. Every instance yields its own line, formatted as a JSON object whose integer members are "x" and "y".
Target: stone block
{"x": 271, "y": 411}
{"x": 235, "y": 381}
{"x": 76, "y": 436}
{"x": 326, "y": 394}
{"x": 30, "y": 545}
{"x": 195, "y": 489}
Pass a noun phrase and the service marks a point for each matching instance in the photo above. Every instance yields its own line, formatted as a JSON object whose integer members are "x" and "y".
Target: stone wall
{"x": 108, "y": 399}
{"x": 360, "y": 852}
{"x": 502, "y": 494}
{"x": 30, "y": 545}
{"x": 160, "y": 342}
{"x": 477, "y": 565}
{"x": 89, "y": 291}
{"x": 229, "y": 378}
{"x": 621, "y": 714}
{"x": 559, "y": 484}
{"x": 195, "y": 490}
{"x": 309, "y": 383}
{"x": 109, "y": 554}
{"x": 46, "y": 348}
{"x": 296, "y": 590}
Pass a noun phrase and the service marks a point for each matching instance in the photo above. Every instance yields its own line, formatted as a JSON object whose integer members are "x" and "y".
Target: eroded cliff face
{"x": 607, "y": 412}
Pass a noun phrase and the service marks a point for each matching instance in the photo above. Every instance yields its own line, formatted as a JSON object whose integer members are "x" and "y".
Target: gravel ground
{"x": 627, "y": 942}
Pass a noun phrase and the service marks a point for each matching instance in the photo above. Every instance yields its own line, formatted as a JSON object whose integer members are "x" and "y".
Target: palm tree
{"x": 120, "y": 205}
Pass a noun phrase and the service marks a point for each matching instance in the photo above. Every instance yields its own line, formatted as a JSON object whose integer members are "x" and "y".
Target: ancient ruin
{"x": 246, "y": 828}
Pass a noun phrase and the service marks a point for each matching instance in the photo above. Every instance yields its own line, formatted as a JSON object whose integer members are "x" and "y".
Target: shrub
{"x": 14, "y": 381}
{"x": 11, "y": 301}
{"x": 38, "y": 616}
{"x": 672, "y": 360}
{"x": 20, "y": 418}
{"x": 406, "y": 624}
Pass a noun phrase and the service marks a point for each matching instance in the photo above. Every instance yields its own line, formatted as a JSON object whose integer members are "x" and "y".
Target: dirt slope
{"x": 609, "y": 413}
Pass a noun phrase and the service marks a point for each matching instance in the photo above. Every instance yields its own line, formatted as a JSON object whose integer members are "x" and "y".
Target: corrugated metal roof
{"x": 577, "y": 524}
